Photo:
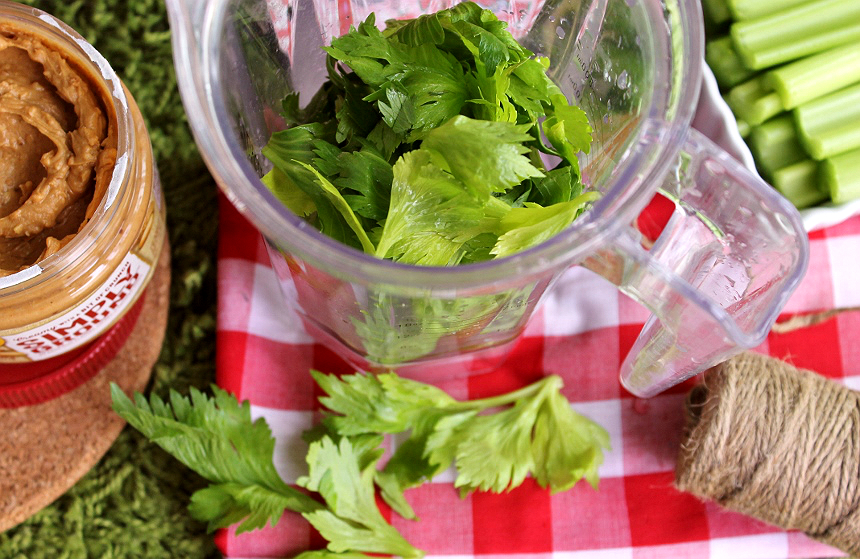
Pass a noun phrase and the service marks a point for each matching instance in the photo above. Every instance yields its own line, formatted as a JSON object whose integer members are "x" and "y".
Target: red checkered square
{"x": 285, "y": 383}
{"x": 847, "y": 228}
{"x": 289, "y": 537}
{"x": 583, "y": 518}
{"x": 245, "y": 242}
{"x": 444, "y": 525}
{"x": 724, "y": 523}
{"x": 652, "y": 431}
{"x": 523, "y": 366}
{"x": 327, "y": 361}
{"x": 849, "y": 345}
{"x": 627, "y": 334}
{"x": 660, "y": 515}
{"x": 229, "y": 356}
{"x": 519, "y": 521}
{"x": 631, "y": 312}
{"x": 814, "y": 347}
{"x": 588, "y": 364}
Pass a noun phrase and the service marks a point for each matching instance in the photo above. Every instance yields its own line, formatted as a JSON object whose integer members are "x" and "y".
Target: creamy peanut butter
{"x": 56, "y": 142}
{"x": 81, "y": 208}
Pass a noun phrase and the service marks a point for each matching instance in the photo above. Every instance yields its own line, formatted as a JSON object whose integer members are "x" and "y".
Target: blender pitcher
{"x": 715, "y": 279}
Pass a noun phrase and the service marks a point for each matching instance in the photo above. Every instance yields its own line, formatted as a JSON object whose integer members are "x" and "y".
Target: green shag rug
{"x": 134, "y": 502}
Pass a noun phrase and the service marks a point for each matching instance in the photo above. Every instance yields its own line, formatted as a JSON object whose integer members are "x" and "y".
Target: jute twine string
{"x": 777, "y": 443}
{"x": 804, "y": 320}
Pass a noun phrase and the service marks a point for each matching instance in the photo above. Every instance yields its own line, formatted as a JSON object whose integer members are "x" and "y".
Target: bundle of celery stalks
{"x": 790, "y": 72}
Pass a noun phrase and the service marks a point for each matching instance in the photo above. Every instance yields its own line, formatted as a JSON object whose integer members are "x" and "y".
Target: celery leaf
{"x": 533, "y": 224}
{"x": 562, "y": 461}
{"x": 217, "y": 438}
{"x": 486, "y": 156}
{"x": 494, "y": 443}
{"x": 430, "y": 208}
{"x": 352, "y": 520}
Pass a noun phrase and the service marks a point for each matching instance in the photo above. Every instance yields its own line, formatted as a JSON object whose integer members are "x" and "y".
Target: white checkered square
{"x": 578, "y": 302}
{"x": 237, "y": 278}
{"x": 846, "y": 276}
{"x": 290, "y": 450}
{"x": 271, "y": 317}
{"x": 764, "y": 546}
{"x": 618, "y": 553}
{"x": 607, "y": 414}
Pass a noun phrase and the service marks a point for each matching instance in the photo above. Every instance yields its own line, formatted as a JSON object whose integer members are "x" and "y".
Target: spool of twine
{"x": 777, "y": 443}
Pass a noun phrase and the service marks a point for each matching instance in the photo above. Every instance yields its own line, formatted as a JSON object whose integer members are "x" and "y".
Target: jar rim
{"x": 53, "y": 30}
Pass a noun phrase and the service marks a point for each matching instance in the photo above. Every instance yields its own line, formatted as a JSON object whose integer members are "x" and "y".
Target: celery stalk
{"x": 841, "y": 176}
{"x": 716, "y": 11}
{"x": 799, "y": 183}
{"x": 798, "y": 47}
{"x": 727, "y": 66}
{"x": 751, "y": 9}
{"x": 830, "y": 125}
{"x": 775, "y": 145}
{"x": 834, "y": 141}
{"x": 753, "y": 102}
{"x": 804, "y": 20}
{"x": 815, "y": 76}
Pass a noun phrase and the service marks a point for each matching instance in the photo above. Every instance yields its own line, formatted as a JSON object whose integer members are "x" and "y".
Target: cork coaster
{"x": 46, "y": 448}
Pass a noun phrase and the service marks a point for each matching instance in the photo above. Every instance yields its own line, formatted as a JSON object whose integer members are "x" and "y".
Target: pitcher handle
{"x": 717, "y": 275}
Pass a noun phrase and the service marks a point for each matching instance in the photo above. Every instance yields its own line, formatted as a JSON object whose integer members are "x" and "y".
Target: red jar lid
{"x": 26, "y": 384}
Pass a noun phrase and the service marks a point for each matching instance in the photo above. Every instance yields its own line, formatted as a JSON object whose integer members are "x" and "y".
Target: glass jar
{"x": 61, "y": 303}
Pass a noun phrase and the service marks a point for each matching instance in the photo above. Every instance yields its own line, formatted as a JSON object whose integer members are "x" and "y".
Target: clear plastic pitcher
{"x": 715, "y": 279}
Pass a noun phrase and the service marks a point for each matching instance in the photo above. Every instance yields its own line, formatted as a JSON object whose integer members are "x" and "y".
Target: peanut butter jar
{"x": 81, "y": 208}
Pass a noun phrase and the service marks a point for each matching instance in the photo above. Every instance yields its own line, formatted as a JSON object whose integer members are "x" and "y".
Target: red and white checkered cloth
{"x": 581, "y": 332}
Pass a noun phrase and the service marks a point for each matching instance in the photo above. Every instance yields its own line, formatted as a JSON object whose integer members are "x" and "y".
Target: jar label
{"x": 86, "y": 321}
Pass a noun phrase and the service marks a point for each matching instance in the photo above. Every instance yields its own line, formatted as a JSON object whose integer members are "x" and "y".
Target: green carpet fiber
{"x": 134, "y": 502}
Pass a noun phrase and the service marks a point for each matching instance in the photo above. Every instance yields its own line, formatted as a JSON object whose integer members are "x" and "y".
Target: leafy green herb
{"x": 352, "y": 521}
{"x": 493, "y": 442}
{"x": 533, "y": 224}
{"x": 452, "y": 116}
{"x": 217, "y": 439}
{"x": 537, "y": 433}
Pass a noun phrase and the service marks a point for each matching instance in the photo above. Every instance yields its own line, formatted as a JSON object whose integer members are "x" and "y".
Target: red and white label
{"x": 89, "y": 319}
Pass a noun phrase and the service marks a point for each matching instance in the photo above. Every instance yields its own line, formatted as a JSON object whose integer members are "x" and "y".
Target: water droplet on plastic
{"x": 641, "y": 406}
{"x": 621, "y": 81}
{"x": 560, "y": 32}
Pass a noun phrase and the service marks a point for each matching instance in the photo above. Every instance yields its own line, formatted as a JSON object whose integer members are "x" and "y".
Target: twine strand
{"x": 777, "y": 443}
{"x": 812, "y": 319}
